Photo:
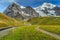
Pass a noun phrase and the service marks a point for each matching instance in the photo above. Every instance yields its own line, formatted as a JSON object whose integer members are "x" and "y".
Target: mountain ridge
{"x": 46, "y": 9}
{"x": 15, "y": 11}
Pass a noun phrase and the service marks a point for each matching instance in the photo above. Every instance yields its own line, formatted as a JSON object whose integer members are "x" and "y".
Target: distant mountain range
{"x": 14, "y": 10}
{"x": 48, "y": 9}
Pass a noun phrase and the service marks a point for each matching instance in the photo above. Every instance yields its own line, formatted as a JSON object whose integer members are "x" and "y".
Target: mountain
{"x": 48, "y": 9}
{"x": 47, "y": 5}
{"x": 57, "y": 10}
{"x": 16, "y": 11}
{"x": 19, "y": 12}
{"x": 30, "y": 12}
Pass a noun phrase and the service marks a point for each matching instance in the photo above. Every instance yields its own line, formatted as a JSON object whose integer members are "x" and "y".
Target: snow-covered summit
{"x": 46, "y": 8}
{"x": 48, "y": 5}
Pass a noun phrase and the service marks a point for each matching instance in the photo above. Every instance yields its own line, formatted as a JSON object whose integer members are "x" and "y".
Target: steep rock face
{"x": 14, "y": 11}
{"x": 30, "y": 12}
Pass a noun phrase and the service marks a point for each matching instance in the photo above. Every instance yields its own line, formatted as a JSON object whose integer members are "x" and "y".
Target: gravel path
{"x": 5, "y": 32}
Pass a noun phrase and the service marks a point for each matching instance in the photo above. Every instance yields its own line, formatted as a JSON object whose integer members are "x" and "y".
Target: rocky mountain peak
{"x": 46, "y": 9}
{"x": 15, "y": 3}
{"x": 15, "y": 11}
{"x": 48, "y": 5}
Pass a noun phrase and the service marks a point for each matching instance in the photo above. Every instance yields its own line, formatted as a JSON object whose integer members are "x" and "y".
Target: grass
{"x": 6, "y": 21}
{"x": 3, "y": 24}
{"x": 27, "y": 33}
{"x": 51, "y": 24}
{"x": 45, "y": 20}
{"x": 51, "y": 28}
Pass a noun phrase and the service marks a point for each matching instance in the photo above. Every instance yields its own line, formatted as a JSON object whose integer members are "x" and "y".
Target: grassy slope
{"x": 45, "y": 20}
{"x": 51, "y": 28}
{"x": 51, "y": 24}
{"x": 7, "y": 21}
{"x": 27, "y": 33}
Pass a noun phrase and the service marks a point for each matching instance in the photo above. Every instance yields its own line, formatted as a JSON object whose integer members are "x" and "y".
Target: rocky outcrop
{"x": 57, "y": 10}
{"x": 13, "y": 10}
{"x": 30, "y": 12}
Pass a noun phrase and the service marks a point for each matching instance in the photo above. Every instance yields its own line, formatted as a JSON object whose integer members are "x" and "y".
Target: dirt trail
{"x": 49, "y": 33}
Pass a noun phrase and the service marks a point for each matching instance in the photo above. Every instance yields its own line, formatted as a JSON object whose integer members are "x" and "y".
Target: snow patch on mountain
{"x": 46, "y": 9}
{"x": 48, "y": 5}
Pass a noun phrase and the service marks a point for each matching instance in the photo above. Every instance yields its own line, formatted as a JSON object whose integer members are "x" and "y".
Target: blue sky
{"x": 33, "y": 3}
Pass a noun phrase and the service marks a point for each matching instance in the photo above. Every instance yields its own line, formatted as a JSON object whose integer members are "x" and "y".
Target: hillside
{"x": 6, "y": 21}
{"x": 45, "y": 20}
{"x": 3, "y": 16}
{"x": 26, "y": 31}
